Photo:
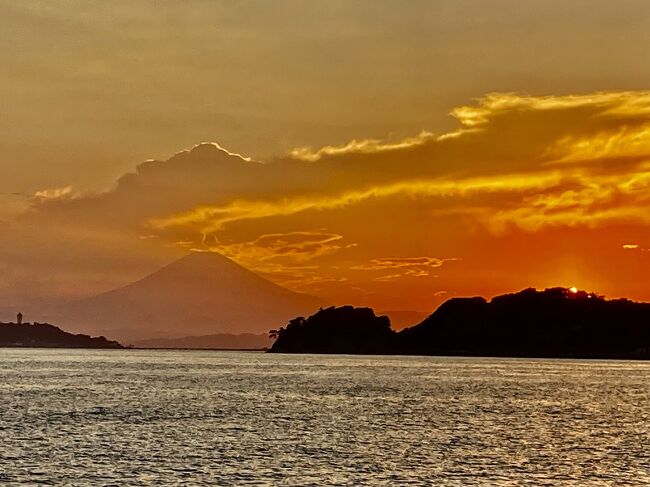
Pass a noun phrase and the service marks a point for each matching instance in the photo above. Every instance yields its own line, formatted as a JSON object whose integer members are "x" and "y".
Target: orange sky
{"x": 383, "y": 200}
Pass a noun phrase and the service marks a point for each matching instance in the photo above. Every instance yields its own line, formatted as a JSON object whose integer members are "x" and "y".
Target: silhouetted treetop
{"x": 345, "y": 329}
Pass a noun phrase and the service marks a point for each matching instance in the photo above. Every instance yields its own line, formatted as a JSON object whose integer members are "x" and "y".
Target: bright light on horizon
{"x": 573, "y": 289}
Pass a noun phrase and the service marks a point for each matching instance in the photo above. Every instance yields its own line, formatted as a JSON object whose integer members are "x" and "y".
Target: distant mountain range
{"x": 200, "y": 294}
{"x": 557, "y": 322}
{"x": 219, "y": 341}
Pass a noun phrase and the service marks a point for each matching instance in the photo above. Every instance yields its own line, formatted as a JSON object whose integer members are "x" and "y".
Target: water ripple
{"x": 190, "y": 418}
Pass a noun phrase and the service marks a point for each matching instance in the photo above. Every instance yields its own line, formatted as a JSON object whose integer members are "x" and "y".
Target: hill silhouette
{"x": 48, "y": 336}
{"x": 200, "y": 294}
{"x": 556, "y": 322}
{"x": 336, "y": 330}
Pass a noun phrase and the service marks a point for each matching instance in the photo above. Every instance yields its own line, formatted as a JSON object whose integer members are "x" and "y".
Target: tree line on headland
{"x": 48, "y": 336}
{"x": 556, "y": 322}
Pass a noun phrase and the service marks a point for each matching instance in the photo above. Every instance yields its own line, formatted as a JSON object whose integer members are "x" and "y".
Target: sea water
{"x": 136, "y": 417}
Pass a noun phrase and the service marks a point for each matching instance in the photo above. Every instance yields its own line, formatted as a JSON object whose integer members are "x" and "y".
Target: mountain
{"x": 44, "y": 335}
{"x": 200, "y": 294}
{"x": 556, "y": 322}
{"x": 219, "y": 341}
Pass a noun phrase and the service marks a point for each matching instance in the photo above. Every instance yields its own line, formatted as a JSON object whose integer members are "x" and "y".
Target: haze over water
{"x": 230, "y": 418}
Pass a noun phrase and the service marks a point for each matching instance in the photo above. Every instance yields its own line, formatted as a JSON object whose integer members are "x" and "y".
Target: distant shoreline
{"x": 190, "y": 349}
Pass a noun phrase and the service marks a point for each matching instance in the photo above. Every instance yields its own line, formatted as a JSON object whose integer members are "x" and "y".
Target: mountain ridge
{"x": 217, "y": 341}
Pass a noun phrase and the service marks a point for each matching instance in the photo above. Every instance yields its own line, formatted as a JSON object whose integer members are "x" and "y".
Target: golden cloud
{"x": 297, "y": 246}
{"x": 620, "y": 105}
{"x": 514, "y": 165}
{"x": 409, "y": 266}
{"x": 400, "y": 262}
{"x": 210, "y": 219}
{"x": 366, "y": 146}
{"x": 597, "y": 200}
{"x": 54, "y": 194}
{"x": 635, "y": 247}
{"x": 602, "y": 131}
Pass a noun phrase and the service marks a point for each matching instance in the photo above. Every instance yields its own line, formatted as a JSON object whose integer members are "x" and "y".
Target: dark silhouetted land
{"x": 336, "y": 330}
{"x": 48, "y": 336}
{"x": 552, "y": 323}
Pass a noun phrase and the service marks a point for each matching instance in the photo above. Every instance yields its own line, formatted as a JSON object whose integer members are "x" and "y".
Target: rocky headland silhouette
{"x": 44, "y": 335}
{"x": 344, "y": 329}
{"x": 556, "y": 322}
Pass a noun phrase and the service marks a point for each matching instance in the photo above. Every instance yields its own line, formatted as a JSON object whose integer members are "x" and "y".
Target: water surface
{"x": 233, "y": 418}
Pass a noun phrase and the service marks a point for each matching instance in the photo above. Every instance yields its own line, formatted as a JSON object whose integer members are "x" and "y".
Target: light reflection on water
{"x": 229, "y": 418}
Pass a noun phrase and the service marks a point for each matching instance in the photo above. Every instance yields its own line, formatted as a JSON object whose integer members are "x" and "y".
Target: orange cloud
{"x": 410, "y": 266}
{"x": 298, "y": 246}
{"x": 367, "y": 146}
{"x": 400, "y": 262}
{"x": 54, "y": 194}
{"x": 211, "y": 219}
{"x": 515, "y": 166}
{"x": 613, "y": 127}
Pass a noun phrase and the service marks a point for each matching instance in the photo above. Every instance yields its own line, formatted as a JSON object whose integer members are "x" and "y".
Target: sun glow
{"x": 573, "y": 290}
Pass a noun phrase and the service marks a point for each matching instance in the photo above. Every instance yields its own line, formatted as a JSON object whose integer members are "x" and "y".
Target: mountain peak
{"x": 201, "y": 293}
{"x": 208, "y": 265}
{"x": 204, "y": 257}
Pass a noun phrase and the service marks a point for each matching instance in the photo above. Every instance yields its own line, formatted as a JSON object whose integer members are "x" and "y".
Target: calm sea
{"x": 228, "y": 418}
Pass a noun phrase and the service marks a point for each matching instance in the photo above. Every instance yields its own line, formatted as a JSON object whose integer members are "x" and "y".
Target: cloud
{"x": 571, "y": 198}
{"x": 515, "y": 165}
{"x": 635, "y": 247}
{"x": 410, "y": 266}
{"x": 54, "y": 194}
{"x": 505, "y": 142}
{"x": 401, "y": 262}
{"x": 594, "y": 201}
{"x": 299, "y": 246}
{"x": 631, "y": 246}
{"x": 211, "y": 219}
{"x": 367, "y": 146}
{"x": 389, "y": 277}
{"x": 615, "y": 105}
{"x": 598, "y": 144}
{"x": 207, "y": 147}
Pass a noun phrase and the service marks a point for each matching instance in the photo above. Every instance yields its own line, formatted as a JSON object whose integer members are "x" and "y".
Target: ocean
{"x": 144, "y": 417}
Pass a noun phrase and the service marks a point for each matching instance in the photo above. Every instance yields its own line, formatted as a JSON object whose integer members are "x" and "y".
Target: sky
{"x": 384, "y": 153}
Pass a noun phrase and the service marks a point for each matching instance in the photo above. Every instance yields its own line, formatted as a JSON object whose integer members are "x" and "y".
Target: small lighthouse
{"x": 19, "y": 318}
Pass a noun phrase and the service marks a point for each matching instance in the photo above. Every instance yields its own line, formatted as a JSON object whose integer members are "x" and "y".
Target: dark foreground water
{"x": 226, "y": 418}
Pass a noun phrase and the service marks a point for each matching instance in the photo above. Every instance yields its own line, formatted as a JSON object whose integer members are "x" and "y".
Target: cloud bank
{"x": 525, "y": 191}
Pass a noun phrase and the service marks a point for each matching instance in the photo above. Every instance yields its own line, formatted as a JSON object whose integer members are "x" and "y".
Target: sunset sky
{"x": 382, "y": 153}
